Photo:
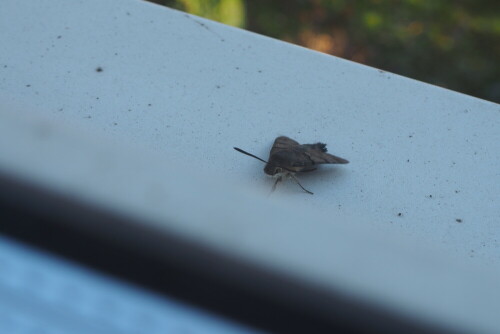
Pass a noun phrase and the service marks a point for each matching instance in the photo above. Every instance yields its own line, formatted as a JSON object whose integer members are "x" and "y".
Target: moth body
{"x": 288, "y": 157}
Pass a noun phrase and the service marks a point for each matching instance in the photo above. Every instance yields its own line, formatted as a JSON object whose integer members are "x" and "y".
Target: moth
{"x": 288, "y": 157}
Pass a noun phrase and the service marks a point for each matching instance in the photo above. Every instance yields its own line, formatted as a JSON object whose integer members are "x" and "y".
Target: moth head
{"x": 272, "y": 167}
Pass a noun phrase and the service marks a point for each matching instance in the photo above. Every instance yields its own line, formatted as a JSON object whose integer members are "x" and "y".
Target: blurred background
{"x": 452, "y": 44}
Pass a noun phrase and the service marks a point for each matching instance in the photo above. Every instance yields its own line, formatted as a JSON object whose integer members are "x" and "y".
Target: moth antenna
{"x": 249, "y": 154}
{"x": 297, "y": 181}
{"x": 256, "y": 157}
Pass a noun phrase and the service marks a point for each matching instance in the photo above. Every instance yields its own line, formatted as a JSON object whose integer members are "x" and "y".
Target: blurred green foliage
{"x": 453, "y": 44}
{"x": 230, "y": 12}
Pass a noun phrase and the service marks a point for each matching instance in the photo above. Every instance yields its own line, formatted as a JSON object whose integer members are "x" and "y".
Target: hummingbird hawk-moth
{"x": 288, "y": 157}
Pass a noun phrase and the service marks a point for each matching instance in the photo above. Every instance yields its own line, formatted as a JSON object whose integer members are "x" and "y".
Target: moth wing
{"x": 291, "y": 159}
{"x": 282, "y": 143}
{"x": 308, "y": 156}
{"x": 319, "y": 157}
{"x": 284, "y": 154}
{"x": 292, "y": 156}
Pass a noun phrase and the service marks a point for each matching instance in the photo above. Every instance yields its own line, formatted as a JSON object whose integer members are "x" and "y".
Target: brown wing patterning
{"x": 288, "y": 157}
{"x": 306, "y": 154}
{"x": 282, "y": 143}
{"x": 321, "y": 157}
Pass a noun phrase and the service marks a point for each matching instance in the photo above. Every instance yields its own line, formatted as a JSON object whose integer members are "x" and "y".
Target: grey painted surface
{"x": 110, "y": 79}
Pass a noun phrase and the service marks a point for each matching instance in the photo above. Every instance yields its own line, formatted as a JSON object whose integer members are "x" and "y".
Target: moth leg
{"x": 275, "y": 184}
{"x": 297, "y": 181}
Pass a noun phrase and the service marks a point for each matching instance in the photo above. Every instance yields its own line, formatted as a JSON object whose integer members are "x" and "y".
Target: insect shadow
{"x": 288, "y": 157}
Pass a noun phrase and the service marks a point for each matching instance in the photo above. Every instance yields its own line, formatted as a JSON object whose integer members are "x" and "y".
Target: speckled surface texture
{"x": 423, "y": 160}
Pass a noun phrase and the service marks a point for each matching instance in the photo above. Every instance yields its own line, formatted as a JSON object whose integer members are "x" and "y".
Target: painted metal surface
{"x": 86, "y": 86}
